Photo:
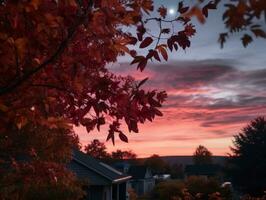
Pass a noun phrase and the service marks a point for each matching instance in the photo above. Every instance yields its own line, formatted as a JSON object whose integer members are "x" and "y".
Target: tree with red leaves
{"x": 54, "y": 56}
{"x": 244, "y": 17}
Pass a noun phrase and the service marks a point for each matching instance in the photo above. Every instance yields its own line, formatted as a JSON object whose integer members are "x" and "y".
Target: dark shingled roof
{"x": 137, "y": 171}
{"x": 96, "y": 172}
{"x": 204, "y": 170}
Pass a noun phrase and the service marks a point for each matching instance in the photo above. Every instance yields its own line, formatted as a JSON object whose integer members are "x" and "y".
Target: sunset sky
{"x": 213, "y": 93}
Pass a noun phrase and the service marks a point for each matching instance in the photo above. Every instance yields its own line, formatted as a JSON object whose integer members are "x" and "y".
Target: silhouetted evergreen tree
{"x": 247, "y": 165}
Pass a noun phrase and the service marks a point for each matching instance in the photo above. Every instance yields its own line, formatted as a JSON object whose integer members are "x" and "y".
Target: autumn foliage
{"x": 245, "y": 17}
{"x": 54, "y": 57}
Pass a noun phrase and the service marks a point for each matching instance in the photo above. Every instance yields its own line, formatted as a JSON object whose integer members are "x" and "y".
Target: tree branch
{"x": 50, "y": 86}
{"x": 13, "y": 85}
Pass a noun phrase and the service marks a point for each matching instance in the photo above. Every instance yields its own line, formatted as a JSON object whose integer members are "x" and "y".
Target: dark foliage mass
{"x": 202, "y": 156}
{"x": 248, "y": 163}
{"x": 98, "y": 150}
{"x": 198, "y": 188}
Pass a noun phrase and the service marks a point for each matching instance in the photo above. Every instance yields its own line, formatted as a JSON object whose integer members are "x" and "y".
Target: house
{"x": 142, "y": 181}
{"x": 104, "y": 182}
{"x": 207, "y": 171}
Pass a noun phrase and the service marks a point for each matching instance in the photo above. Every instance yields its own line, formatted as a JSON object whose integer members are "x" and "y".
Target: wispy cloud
{"x": 208, "y": 100}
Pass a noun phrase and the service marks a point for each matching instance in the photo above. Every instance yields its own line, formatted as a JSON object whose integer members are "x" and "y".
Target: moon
{"x": 171, "y": 11}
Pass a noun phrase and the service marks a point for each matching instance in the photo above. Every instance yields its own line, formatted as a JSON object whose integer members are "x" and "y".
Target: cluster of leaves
{"x": 168, "y": 38}
{"x": 33, "y": 164}
{"x": 244, "y": 16}
{"x": 53, "y": 56}
{"x": 44, "y": 180}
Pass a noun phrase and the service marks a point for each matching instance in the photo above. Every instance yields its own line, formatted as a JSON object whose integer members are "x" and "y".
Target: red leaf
{"x": 205, "y": 11}
{"x": 150, "y": 54}
{"x": 170, "y": 44}
{"x": 161, "y": 96}
{"x": 154, "y": 102}
{"x": 111, "y": 136}
{"x": 90, "y": 127}
{"x": 163, "y": 53}
{"x": 100, "y": 121}
{"x": 133, "y": 40}
{"x": 142, "y": 82}
{"x": 156, "y": 56}
{"x": 183, "y": 40}
{"x": 123, "y": 137}
{"x": 189, "y": 30}
{"x": 176, "y": 47}
{"x": 133, "y": 53}
{"x": 85, "y": 121}
{"x": 166, "y": 30}
{"x": 137, "y": 59}
{"x": 185, "y": 20}
{"x": 206, "y": 8}
{"x": 162, "y": 11}
{"x": 140, "y": 32}
{"x": 146, "y": 42}
{"x": 140, "y": 36}
{"x": 182, "y": 9}
{"x": 141, "y": 29}
{"x": 142, "y": 64}
{"x": 222, "y": 39}
{"x": 246, "y": 39}
{"x": 259, "y": 33}
{"x": 158, "y": 112}
{"x": 133, "y": 126}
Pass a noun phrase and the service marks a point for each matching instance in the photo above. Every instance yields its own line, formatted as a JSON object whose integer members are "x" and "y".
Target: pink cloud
{"x": 209, "y": 102}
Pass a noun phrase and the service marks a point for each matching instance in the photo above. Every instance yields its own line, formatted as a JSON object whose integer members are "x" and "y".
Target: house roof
{"x": 137, "y": 171}
{"x": 96, "y": 172}
{"x": 206, "y": 170}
